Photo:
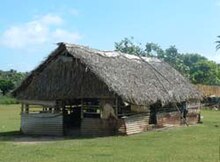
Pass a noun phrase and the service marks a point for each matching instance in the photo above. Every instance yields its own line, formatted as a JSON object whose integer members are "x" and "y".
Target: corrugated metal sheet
{"x": 136, "y": 124}
{"x": 42, "y": 124}
{"x": 164, "y": 118}
{"x": 121, "y": 127}
{"x": 98, "y": 127}
{"x": 193, "y": 118}
{"x": 172, "y": 116}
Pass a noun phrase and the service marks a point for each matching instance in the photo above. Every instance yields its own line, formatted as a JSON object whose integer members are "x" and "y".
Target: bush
{"x": 7, "y": 100}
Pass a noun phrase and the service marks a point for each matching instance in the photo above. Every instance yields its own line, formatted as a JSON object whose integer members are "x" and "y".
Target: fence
{"x": 209, "y": 90}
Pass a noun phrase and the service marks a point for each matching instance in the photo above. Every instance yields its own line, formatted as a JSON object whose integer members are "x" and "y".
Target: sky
{"x": 29, "y": 30}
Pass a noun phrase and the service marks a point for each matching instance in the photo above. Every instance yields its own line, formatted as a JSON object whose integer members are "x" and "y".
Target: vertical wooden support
{"x": 81, "y": 108}
{"x": 59, "y": 106}
{"x": 65, "y": 112}
{"x": 44, "y": 108}
{"x": 22, "y": 108}
{"x": 26, "y": 108}
{"x": 116, "y": 106}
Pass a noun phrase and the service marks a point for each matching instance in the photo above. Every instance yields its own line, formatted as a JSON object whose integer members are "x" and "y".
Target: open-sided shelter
{"x": 83, "y": 91}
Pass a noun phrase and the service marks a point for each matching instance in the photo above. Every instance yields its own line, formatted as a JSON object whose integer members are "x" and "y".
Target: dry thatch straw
{"x": 208, "y": 90}
{"x": 73, "y": 71}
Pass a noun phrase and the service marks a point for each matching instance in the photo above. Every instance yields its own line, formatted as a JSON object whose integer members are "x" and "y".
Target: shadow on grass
{"x": 17, "y": 136}
{"x": 10, "y": 134}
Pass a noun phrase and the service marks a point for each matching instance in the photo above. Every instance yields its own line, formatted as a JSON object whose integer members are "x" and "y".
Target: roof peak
{"x": 108, "y": 53}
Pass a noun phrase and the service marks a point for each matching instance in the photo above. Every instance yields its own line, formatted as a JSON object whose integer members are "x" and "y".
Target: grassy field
{"x": 187, "y": 144}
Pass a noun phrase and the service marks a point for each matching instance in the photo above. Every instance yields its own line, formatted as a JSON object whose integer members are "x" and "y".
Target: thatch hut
{"x": 85, "y": 91}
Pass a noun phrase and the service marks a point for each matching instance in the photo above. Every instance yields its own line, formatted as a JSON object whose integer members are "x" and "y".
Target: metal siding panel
{"x": 97, "y": 127}
{"x": 136, "y": 124}
{"x": 42, "y": 124}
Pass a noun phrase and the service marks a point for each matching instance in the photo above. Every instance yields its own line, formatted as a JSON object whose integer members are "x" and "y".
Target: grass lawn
{"x": 200, "y": 143}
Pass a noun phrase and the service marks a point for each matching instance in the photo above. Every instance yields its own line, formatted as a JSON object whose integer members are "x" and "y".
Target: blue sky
{"x": 29, "y": 29}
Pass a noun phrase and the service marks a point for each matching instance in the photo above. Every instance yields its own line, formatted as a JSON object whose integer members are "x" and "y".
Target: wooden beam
{"x": 38, "y": 102}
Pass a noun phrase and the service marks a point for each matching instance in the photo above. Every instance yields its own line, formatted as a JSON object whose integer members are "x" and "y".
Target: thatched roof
{"x": 137, "y": 80}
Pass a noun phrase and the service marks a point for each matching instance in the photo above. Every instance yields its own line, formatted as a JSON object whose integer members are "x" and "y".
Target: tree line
{"x": 198, "y": 69}
{"x": 9, "y": 80}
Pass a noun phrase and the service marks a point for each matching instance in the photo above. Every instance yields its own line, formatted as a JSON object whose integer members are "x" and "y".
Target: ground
{"x": 200, "y": 143}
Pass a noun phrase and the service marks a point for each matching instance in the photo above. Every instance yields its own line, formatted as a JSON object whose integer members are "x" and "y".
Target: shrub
{"x": 7, "y": 100}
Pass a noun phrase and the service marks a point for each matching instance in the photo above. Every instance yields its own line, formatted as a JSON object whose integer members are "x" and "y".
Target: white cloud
{"x": 44, "y": 29}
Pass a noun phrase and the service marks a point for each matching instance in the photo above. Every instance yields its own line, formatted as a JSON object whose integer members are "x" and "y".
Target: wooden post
{"x": 26, "y": 108}
{"x": 59, "y": 106}
{"x": 81, "y": 108}
{"x": 22, "y": 108}
{"x": 116, "y": 106}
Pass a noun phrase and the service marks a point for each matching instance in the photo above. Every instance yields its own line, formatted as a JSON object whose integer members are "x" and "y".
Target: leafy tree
{"x": 189, "y": 59}
{"x": 154, "y": 50}
{"x": 205, "y": 72}
{"x": 10, "y": 80}
{"x": 6, "y": 86}
{"x": 128, "y": 46}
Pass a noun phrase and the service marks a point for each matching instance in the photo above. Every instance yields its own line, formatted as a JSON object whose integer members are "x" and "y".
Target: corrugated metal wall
{"x": 98, "y": 127}
{"x": 172, "y": 118}
{"x": 52, "y": 124}
{"x": 42, "y": 124}
{"x": 121, "y": 127}
{"x": 193, "y": 116}
{"x": 136, "y": 123}
{"x": 105, "y": 127}
{"x": 165, "y": 116}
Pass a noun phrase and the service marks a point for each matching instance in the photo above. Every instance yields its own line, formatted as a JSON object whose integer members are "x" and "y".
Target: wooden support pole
{"x": 22, "y": 108}
{"x": 57, "y": 108}
{"x": 81, "y": 108}
{"x": 26, "y": 108}
{"x": 116, "y": 106}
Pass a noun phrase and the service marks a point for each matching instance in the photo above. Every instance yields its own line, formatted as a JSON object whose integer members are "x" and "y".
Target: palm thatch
{"x": 73, "y": 71}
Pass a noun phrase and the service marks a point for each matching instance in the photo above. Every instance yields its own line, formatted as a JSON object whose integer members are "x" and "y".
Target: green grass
{"x": 7, "y": 100}
{"x": 198, "y": 143}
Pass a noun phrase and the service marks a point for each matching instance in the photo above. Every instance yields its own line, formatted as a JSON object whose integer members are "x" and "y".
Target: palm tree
{"x": 218, "y": 43}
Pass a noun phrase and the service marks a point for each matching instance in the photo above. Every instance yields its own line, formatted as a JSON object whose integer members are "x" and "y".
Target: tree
{"x": 218, "y": 43}
{"x": 154, "y": 50}
{"x": 171, "y": 55}
{"x": 15, "y": 77}
{"x": 6, "y": 86}
{"x": 190, "y": 60}
{"x": 127, "y": 45}
{"x": 205, "y": 72}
